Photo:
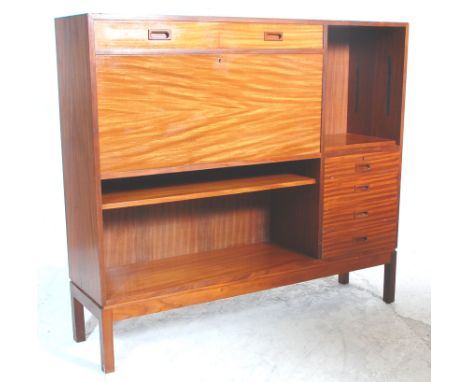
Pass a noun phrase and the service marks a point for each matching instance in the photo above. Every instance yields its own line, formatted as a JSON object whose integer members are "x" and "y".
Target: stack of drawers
{"x": 360, "y": 204}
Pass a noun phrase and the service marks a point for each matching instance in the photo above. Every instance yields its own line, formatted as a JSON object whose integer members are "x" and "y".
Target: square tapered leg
{"x": 343, "y": 278}
{"x": 390, "y": 280}
{"x": 107, "y": 340}
{"x": 78, "y": 321}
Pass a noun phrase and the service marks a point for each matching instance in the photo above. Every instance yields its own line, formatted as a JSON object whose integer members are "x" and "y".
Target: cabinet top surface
{"x": 102, "y": 16}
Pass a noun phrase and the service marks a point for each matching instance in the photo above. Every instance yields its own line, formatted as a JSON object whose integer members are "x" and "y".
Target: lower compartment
{"x": 159, "y": 285}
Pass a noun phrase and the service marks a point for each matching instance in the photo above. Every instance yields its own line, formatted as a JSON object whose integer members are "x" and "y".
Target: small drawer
{"x": 360, "y": 191}
{"x": 155, "y": 34}
{"x": 360, "y": 240}
{"x": 270, "y": 36}
{"x": 362, "y": 166}
{"x": 360, "y": 214}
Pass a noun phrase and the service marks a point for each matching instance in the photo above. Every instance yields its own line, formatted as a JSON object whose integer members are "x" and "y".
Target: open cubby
{"x": 157, "y": 189}
{"x": 216, "y": 227}
{"x": 363, "y": 87}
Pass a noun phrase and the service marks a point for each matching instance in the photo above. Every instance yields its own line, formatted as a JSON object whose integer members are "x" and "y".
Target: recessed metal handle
{"x": 273, "y": 36}
{"x": 363, "y": 167}
{"x": 361, "y": 187}
{"x": 360, "y": 239}
{"x": 159, "y": 34}
{"x": 361, "y": 214}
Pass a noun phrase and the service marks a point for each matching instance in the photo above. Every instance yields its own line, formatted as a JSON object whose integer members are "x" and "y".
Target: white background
{"x": 433, "y": 217}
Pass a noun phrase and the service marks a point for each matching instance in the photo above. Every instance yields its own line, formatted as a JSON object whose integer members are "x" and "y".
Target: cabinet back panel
{"x": 376, "y": 65}
{"x": 173, "y": 112}
{"x": 140, "y": 234}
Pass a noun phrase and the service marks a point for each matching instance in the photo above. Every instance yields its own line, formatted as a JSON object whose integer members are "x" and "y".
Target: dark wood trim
{"x": 390, "y": 279}
{"x": 402, "y": 125}
{"x": 98, "y": 16}
{"x": 97, "y": 168}
{"x": 181, "y": 51}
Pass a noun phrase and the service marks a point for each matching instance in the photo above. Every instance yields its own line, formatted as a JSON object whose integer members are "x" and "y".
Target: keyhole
{"x": 219, "y": 60}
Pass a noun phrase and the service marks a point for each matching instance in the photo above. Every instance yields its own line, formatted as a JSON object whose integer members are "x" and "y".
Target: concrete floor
{"x": 313, "y": 331}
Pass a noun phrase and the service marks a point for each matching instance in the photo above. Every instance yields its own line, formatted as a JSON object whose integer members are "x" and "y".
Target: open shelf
{"x": 199, "y": 190}
{"x": 195, "y": 271}
{"x": 363, "y": 88}
{"x": 217, "y": 274}
{"x": 349, "y": 141}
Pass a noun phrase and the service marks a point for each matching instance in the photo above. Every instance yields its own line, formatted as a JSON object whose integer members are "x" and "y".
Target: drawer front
{"x": 361, "y": 166}
{"x": 360, "y": 240}
{"x": 360, "y": 214}
{"x": 360, "y": 205}
{"x": 357, "y": 190}
{"x": 354, "y": 179}
{"x": 270, "y": 36}
{"x": 155, "y": 34}
{"x": 206, "y": 110}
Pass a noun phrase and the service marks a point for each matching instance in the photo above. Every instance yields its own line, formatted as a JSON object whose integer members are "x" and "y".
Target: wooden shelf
{"x": 177, "y": 281}
{"x": 345, "y": 142}
{"x": 207, "y": 189}
{"x": 196, "y": 271}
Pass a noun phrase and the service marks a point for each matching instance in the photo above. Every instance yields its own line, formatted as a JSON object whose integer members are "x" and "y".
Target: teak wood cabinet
{"x": 205, "y": 157}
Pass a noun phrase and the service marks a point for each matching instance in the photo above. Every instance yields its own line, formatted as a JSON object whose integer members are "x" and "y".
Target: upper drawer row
{"x": 205, "y": 35}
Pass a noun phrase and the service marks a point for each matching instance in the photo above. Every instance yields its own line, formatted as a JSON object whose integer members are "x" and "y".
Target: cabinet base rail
{"x": 109, "y": 313}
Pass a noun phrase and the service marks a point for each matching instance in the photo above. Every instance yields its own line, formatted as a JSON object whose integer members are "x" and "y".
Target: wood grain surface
{"x": 335, "y": 88}
{"x": 376, "y": 65}
{"x": 166, "y": 284}
{"x": 347, "y": 143}
{"x": 202, "y": 110}
{"x": 252, "y": 35}
{"x": 80, "y": 163}
{"x": 360, "y": 206}
{"x": 199, "y": 190}
{"x": 142, "y": 234}
{"x": 131, "y": 34}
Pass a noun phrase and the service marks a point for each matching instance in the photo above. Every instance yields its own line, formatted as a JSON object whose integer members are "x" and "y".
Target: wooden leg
{"x": 390, "y": 279}
{"x": 107, "y": 340}
{"x": 343, "y": 278}
{"x": 79, "y": 332}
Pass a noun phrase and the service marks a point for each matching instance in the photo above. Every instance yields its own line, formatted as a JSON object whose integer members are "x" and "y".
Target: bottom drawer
{"x": 360, "y": 240}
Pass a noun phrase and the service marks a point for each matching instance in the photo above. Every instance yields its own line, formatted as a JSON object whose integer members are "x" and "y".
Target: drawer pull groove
{"x": 273, "y": 36}
{"x": 361, "y": 214}
{"x": 360, "y": 239}
{"x": 363, "y": 167}
{"x": 158, "y": 34}
{"x": 361, "y": 187}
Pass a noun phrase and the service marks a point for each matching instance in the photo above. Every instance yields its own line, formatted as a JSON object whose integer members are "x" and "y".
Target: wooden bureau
{"x": 206, "y": 157}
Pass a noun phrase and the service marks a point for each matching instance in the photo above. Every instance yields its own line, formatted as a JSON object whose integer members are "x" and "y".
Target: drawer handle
{"x": 360, "y": 239}
{"x": 363, "y": 167}
{"x": 361, "y": 214}
{"x": 273, "y": 36}
{"x": 158, "y": 34}
{"x": 361, "y": 187}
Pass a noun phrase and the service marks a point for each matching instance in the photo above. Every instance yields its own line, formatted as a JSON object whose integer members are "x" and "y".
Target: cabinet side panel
{"x": 82, "y": 193}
